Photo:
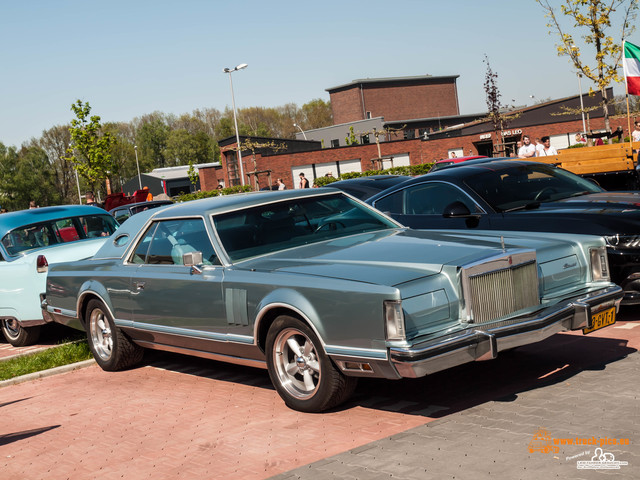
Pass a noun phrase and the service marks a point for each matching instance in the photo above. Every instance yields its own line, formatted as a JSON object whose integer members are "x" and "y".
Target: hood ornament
{"x": 504, "y": 250}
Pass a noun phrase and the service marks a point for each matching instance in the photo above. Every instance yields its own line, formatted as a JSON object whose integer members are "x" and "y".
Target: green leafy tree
{"x": 90, "y": 149}
{"x": 55, "y": 142}
{"x": 595, "y": 17}
{"x": 151, "y": 137}
{"x": 351, "y": 138}
{"x": 316, "y": 114}
{"x": 27, "y": 175}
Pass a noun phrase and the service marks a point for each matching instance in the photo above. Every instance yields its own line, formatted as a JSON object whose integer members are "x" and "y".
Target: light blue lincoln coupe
{"x": 321, "y": 289}
{"x": 29, "y": 241}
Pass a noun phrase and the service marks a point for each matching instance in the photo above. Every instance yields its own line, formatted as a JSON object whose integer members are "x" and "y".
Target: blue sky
{"x": 128, "y": 58}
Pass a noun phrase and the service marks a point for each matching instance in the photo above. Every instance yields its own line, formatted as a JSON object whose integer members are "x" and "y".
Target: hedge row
{"x": 411, "y": 170}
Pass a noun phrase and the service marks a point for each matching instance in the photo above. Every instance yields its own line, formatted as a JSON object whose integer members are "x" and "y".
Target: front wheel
{"x": 301, "y": 372}
{"x": 111, "y": 348}
{"x": 19, "y": 336}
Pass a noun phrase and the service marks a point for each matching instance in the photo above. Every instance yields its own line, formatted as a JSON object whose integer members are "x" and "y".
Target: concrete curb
{"x": 47, "y": 373}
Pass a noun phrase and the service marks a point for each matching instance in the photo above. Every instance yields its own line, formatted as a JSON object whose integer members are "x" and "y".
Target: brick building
{"x": 473, "y": 138}
{"x": 395, "y": 98}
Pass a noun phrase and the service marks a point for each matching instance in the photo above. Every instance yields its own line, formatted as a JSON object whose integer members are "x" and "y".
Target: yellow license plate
{"x": 601, "y": 319}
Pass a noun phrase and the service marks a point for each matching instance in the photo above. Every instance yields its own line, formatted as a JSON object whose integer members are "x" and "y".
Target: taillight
{"x": 41, "y": 264}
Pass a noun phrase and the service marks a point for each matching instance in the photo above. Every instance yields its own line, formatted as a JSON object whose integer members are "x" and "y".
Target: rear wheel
{"x": 110, "y": 346}
{"x": 19, "y": 336}
{"x": 304, "y": 376}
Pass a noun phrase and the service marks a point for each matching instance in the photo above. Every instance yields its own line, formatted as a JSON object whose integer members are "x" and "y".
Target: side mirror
{"x": 457, "y": 210}
{"x": 192, "y": 258}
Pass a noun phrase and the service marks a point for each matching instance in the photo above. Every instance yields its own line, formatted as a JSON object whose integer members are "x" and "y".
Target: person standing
{"x": 635, "y": 135}
{"x": 281, "y": 185}
{"x": 547, "y": 149}
{"x": 304, "y": 183}
{"x": 528, "y": 149}
{"x": 90, "y": 199}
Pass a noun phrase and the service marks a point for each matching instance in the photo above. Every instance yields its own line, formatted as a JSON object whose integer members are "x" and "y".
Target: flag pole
{"x": 626, "y": 91}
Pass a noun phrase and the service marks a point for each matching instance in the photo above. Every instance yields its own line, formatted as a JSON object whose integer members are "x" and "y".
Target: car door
{"x": 422, "y": 206}
{"x": 169, "y": 297}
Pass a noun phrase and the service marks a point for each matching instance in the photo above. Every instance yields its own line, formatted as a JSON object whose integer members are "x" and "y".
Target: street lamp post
{"x": 77, "y": 181}
{"x": 135, "y": 149}
{"x": 300, "y": 128}
{"x": 584, "y": 125}
{"x": 235, "y": 119}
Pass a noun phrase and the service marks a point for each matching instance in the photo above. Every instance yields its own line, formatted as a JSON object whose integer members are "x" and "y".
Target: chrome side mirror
{"x": 192, "y": 258}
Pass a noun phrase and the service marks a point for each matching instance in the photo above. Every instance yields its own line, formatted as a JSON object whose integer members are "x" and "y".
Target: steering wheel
{"x": 545, "y": 190}
{"x": 333, "y": 225}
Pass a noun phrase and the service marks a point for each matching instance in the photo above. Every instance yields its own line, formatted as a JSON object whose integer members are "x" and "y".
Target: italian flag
{"x": 631, "y": 67}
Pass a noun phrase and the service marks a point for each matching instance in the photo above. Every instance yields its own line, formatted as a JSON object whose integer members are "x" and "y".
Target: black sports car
{"x": 365, "y": 187}
{"x": 527, "y": 196}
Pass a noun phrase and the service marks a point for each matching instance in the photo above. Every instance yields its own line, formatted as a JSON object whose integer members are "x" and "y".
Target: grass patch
{"x": 50, "y": 358}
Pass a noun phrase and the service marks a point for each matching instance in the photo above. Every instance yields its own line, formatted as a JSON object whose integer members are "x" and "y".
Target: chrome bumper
{"x": 476, "y": 343}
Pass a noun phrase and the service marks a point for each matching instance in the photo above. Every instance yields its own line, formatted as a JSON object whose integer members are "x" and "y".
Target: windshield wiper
{"x": 526, "y": 206}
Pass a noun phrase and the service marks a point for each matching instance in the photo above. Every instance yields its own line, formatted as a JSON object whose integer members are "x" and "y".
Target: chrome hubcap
{"x": 297, "y": 363}
{"x": 101, "y": 336}
{"x": 12, "y": 328}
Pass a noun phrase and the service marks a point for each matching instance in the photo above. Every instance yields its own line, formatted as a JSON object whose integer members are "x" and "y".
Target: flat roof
{"x": 392, "y": 80}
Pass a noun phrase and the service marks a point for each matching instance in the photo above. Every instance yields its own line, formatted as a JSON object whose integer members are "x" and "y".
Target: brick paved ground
{"x": 191, "y": 418}
{"x": 597, "y": 401}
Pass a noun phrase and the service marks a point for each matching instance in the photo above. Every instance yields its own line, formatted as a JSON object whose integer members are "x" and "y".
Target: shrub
{"x": 185, "y": 197}
{"x": 411, "y": 170}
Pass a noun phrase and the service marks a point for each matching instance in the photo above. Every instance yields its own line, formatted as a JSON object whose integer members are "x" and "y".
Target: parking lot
{"x": 184, "y": 417}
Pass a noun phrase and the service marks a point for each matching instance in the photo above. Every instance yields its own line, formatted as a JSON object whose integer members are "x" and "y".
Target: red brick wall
{"x": 395, "y": 102}
{"x": 419, "y": 151}
{"x": 415, "y": 101}
{"x": 209, "y": 178}
{"x": 346, "y": 106}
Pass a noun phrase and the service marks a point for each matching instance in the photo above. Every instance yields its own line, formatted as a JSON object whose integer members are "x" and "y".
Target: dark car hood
{"x": 600, "y": 202}
{"x": 604, "y": 213}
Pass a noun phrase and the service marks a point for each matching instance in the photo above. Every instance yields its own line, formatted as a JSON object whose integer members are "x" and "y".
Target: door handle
{"x": 139, "y": 285}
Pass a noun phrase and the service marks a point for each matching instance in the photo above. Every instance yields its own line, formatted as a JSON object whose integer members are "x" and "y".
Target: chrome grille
{"x": 493, "y": 294}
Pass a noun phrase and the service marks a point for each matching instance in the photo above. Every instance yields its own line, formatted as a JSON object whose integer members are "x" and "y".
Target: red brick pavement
{"x": 191, "y": 419}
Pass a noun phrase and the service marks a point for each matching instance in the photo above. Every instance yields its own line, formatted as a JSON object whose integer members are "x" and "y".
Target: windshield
{"x": 522, "y": 186}
{"x": 62, "y": 230}
{"x": 269, "y": 228}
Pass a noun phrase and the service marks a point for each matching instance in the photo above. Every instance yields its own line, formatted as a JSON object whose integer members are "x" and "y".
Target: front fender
{"x": 289, "y": 299}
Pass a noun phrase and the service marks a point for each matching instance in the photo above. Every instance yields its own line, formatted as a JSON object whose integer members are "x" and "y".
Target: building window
{"x": 232, "y": 167}
{"x": 364, "y": 139}
{"x": 368, "y": 115}
{"x": 335, "y": 143}
{"x": 409, "y": 134}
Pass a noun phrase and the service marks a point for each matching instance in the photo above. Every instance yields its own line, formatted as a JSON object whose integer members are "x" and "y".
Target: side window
{"x": 391, "y": 203}
{"x": 98, "y": 225}
{"x": 433, "y": 198}
{"x": 165, "y": 243}
{"x": 140, "y": 253}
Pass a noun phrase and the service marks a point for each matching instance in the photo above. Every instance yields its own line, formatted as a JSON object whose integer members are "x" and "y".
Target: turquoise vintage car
{"x": 322, "y": 289}
{"x": 29, "y": 241}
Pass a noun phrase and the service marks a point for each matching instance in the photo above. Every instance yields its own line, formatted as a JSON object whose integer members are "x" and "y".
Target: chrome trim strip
{"x": 185, "y": 332}
{"x": 356, "y": 353}
{"x": 270, "y": 306}
{"x": 247, "y": 362}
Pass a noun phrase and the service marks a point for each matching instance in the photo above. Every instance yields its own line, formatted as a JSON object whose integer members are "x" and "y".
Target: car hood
{"x": 390, "y": 257}
{"x": 602, "y": 202}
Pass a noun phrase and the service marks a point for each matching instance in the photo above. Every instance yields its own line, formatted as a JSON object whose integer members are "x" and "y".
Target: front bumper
{"x": 484, "y": 342}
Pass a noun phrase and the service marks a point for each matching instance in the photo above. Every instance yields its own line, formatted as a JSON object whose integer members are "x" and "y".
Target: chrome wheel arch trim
{"x": 267, "y": 308}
